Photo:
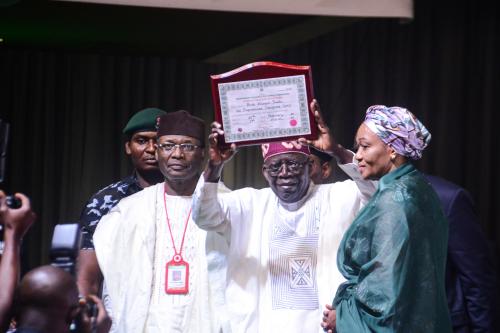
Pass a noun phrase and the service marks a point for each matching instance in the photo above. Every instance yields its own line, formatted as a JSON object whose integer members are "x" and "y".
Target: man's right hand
{"x": 217, "y": 154}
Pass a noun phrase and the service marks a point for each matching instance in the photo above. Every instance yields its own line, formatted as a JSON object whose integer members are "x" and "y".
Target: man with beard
{"x": 283, "y": 239}
{"x": 140, "y": 133}
{"x": 152, "y": 255}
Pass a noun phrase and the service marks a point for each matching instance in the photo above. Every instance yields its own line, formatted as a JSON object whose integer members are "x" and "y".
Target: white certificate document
{"x": 264, "y": 109}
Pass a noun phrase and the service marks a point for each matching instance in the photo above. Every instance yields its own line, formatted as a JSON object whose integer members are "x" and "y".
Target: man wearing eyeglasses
{"x": 283, "y": 239}
{"x": 153, "y": 256}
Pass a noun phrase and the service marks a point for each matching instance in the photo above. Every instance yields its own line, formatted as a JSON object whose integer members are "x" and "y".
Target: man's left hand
{"x": 325, "y": 141}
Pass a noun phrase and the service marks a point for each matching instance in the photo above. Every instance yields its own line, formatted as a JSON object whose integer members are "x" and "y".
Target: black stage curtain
{"x": 67, "y": 109}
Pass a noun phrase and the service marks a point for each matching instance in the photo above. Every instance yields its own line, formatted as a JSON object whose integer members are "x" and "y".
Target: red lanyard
{"x": 178, "y": 255}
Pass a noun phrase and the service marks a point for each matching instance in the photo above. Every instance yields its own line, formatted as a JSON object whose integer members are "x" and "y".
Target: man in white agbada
{"x": 283, "y": 239}
{"x": 152, "y": 255}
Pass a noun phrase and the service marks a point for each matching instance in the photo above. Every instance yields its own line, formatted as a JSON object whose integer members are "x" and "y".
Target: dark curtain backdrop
{"x": 67, "y": 109}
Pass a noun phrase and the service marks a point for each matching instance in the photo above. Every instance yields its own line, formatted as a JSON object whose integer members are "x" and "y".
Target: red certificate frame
{"x": 265, "y": 73}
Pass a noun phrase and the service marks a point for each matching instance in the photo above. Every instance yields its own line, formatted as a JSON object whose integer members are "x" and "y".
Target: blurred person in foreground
{"x": 394, "y": 253}
{"x": 47, "y": 302}
{"x": 16, "y": 223}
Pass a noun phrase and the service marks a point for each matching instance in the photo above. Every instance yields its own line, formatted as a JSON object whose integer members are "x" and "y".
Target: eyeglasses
{"x": 293, "y": 167}
{"x": 169, "y": 147}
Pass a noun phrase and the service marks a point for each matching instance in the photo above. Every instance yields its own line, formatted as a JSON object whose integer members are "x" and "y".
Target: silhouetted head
{"x": 47, "y": 300}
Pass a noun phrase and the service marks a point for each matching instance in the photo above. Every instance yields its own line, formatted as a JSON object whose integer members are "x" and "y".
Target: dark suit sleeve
{"x": 469, "y": 253}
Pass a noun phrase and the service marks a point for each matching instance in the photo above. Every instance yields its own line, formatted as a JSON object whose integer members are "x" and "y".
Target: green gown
{"x": 393, "y": 257}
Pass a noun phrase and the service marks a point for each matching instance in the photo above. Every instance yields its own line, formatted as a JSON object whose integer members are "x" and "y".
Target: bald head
{"x": 47, "y": 286}
{"x": 47, "y": 295}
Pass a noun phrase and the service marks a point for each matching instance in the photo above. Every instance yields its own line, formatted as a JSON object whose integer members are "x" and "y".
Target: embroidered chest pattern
{"x": 292, "y": 262}
{"x": 300, "y": 272}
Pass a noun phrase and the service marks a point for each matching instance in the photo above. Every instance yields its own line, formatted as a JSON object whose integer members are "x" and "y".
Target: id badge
{"x": 177, "y": 276}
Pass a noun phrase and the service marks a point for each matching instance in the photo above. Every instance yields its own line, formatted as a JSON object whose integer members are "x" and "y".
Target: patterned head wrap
{"x": 277, "y": 148}
{"x": 398, "y": 128}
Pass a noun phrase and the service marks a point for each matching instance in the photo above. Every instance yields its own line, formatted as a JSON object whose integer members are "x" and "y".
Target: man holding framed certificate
{"x": 283, "y": 239}
{"x": 264, "y": 102}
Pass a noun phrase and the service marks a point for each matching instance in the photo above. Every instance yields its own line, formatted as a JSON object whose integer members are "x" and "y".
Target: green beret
{"x": 144, "y": 120}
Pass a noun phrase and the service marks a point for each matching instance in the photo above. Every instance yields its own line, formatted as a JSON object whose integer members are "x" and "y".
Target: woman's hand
{"x": 329, "y": 319}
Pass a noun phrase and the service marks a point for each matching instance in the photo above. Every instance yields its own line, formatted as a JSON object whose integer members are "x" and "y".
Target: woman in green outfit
{"x": 393, "y": 255}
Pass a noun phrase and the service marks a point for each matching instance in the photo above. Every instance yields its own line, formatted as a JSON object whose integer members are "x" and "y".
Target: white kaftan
{"x": 133, "y": 245}
{"x": 282, "y": 266}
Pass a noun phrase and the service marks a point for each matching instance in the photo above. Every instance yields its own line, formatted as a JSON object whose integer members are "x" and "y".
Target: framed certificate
{"x": 264, "y": 102}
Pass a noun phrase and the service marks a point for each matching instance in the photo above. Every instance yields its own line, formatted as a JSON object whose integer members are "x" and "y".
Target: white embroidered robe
{"x": 133, "y": 245}
{"x": 282, "y": 266}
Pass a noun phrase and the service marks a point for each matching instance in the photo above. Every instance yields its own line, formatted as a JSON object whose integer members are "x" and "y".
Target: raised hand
{"x": 16, "y": 221}
{"x": 217, "y": 153}
{"x": 325, "y": 141}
